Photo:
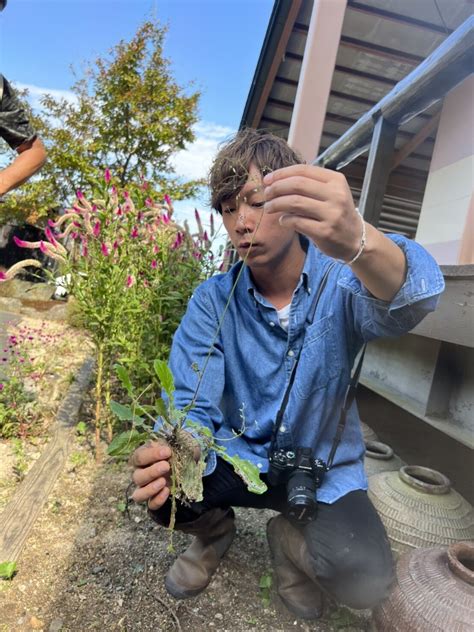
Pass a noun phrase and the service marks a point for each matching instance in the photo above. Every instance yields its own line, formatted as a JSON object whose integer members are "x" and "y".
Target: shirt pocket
{"x": 319, "y": 361}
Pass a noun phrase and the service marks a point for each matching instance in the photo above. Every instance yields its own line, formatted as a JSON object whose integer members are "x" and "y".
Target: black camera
{"x": 302, "y": 475}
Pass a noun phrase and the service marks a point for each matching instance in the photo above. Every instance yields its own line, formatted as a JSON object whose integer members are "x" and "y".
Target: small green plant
{"x": 21, "y": 465}
{"x": 81, "y": 429}
{"x": 78, "y": 459}
{"x": 265, "y": 585}
{"x": 181, "y": 434}
{"x": 7, "y": 570}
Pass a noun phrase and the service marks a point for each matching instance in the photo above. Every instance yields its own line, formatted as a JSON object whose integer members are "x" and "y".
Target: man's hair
{"x": 230, "y": 169}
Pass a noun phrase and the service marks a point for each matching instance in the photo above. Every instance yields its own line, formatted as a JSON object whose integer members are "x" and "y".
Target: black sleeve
{"x": 15, "y": 128}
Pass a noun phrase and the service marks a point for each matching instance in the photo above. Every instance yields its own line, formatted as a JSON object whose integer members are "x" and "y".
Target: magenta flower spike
{"x": 196, "y": 215}
{"x": 154, "y": 264}
{"x": 96, "y": 230}
{"x": 85, "y": 249}
{"x": 107, "y": 176}
{"x": 26, "y": 244}
{"x": 3, "y": 276}
{"x": 104, "y": 250}
{"x": 134, "y": 233}
{"x": 148, "y": 202}
{"x": 156, "y": 250}
{"x": 130, "y": 280}
{"x": 205, "y": 236}
{"x": 115, "y": 245}
{"x": 165, "y": 218}
{"x": 167, "y": 199}
{"x": 80, "y": 195}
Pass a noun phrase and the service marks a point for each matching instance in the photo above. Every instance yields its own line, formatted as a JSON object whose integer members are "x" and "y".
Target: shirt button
{"x": 282, "y": 428}
{"x": 272, "y": 324}
{"x": 291, "y": 353}
{"x": 259, "y": 465}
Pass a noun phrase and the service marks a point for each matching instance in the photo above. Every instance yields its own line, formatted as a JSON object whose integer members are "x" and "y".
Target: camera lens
{"x": 302, "y": 504}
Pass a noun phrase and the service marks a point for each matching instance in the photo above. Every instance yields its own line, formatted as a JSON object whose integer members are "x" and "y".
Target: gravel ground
{"x": 88, "y": 566}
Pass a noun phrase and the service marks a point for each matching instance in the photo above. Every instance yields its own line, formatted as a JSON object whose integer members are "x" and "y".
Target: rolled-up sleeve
{"x": 15, "y": 127}
{"x": 418, "y": 296}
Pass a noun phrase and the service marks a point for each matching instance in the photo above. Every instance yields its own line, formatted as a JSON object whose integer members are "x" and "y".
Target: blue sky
{"x": 213, "y": 43}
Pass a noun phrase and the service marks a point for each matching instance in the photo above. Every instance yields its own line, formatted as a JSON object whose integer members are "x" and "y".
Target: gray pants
{"x": 349, "y": 549}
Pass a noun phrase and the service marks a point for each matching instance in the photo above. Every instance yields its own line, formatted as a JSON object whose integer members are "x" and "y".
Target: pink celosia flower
{"x": 107, "y": 176}
{"x": 156, "y": 250}
{"x": 80, "y": 195}
{"x": 154, "y": 264}
{"x": 96, "y": 230}
{"x": 165, "y": 218}
{"x": 167, "y": 199}
{"x": 196, "y": 215}
{"x": 148, "y": 202}
{"x": 130, "y": 280}
{"x": 134, "y": 233}
{"x": 25, "y": 244}
{"x": 115, "y": 245}
{"x": 205, "y": 236}
{"x": 140, "y": 215}
{"x": 104, "y": 250}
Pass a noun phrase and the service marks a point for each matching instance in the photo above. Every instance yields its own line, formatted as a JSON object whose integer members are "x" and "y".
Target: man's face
{"x": 256, "y": 236}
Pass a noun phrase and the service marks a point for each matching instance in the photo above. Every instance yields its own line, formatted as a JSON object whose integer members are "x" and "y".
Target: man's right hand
{"x": 151, "y": 473}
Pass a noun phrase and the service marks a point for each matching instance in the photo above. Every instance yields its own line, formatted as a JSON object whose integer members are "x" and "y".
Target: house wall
{"x": 446, "y": 225}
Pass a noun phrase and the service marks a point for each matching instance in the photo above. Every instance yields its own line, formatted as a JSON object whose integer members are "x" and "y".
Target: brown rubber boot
{"x": 193, "y": 570}
{"x": 296, "y": 584}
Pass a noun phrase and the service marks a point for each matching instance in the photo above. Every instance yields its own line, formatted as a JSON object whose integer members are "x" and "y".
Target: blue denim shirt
{"x": 250, "y": 364}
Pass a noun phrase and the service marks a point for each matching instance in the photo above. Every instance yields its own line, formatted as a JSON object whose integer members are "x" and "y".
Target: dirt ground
{"x": 88, "y": 566}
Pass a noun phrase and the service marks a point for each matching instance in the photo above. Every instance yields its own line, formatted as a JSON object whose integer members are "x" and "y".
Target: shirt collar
{"x": 312, "y": 255}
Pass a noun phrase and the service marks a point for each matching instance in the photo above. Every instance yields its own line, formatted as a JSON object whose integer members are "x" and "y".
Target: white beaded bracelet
{"x": 363, "y": 241}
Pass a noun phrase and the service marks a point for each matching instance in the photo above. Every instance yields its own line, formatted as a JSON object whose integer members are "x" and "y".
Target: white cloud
{"x": 36, "y": 92}
{"x": 194, "y": 161}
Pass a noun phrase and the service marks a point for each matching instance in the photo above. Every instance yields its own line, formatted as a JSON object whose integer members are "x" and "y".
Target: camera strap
{"x": 351, "y": 388}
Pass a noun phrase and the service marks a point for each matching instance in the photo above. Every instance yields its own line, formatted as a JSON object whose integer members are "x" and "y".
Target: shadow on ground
{"x": 87, "y": 566}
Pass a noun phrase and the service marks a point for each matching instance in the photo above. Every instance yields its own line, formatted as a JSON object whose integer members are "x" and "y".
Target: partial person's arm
{"x": 31, "y": 157}
{"x": 16, "y": 130}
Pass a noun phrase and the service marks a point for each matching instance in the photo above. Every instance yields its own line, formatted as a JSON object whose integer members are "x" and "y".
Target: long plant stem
{"x": 221, "y": 319}
{"x": 110, "y": 427}
{"x": 98, "y": 395}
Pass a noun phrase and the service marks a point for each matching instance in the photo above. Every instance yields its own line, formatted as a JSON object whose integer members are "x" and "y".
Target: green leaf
{"x": 125, "y": 443}
{"x": 81, "y": 428}
{"x": 247, "y": 471}
{"x": 7, "y": 570}
{"x": 124, "y": 378}
{"x": 202, "y": 430}
{"x": 124, "y": 413}
{"x": 161, "y": 408}
{"x": 121, "y": 506}
{"x": 266, "y": 580}
{"x": 165, "y": 376}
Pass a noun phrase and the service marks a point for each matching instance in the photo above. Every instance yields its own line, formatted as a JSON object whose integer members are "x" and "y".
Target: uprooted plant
{"x": 162, "y": 420}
